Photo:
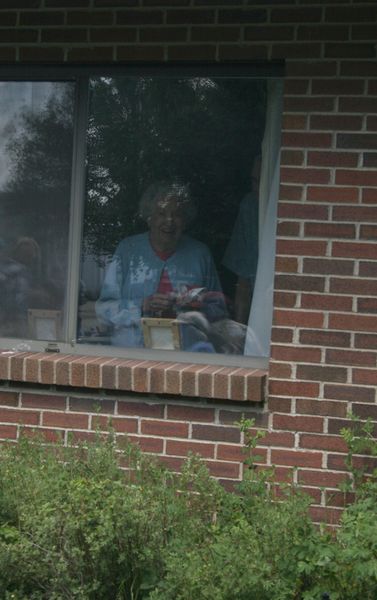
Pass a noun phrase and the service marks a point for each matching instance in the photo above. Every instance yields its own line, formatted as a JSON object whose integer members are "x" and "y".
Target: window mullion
{"x": 77, "y": 209}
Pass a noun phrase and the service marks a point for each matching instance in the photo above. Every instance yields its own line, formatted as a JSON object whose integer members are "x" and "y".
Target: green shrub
{"x": 107, "y": 522}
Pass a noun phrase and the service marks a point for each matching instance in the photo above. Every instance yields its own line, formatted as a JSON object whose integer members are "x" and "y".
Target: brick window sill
{"x": 146, "y": 376}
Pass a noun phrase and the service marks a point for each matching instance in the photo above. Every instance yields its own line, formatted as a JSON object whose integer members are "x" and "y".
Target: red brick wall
{"x": 324, "y": 340}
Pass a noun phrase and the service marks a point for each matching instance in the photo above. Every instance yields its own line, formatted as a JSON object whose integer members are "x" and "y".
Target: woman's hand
{"x": 158, "y": 304}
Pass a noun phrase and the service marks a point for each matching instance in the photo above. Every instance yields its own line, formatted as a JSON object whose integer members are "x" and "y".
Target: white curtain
{"x": 260, "y": 318}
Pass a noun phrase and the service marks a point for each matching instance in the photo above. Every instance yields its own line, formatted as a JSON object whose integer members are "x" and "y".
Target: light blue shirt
{"x": 134, "y": 273}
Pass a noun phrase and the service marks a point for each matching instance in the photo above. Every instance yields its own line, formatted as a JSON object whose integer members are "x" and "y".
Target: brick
{"x": 332, "y": 194}
{"x": 23, "y": 417}
{"x": 327, "y": 266}
{"x": 48, "y": 368}
{"x": 126, "y": 371}
{"x": 284, "y": 299}
{"x": 142, "y": 409}
{"x": 113, "y": 35}
{"x": 355, "y": 286}
{"x": 348, "y": 393}
{"x": 141, "y": 376}
{"x": 47, "y": 54}
{"x": 358, "y": 68}
{"x": 370, "y": 158}
{"x": 243, "y": 52}
{"x": 326, "y": 302}
{"x": 92, "y": 54}
{"x": 163, "y": 34}
{"x": 286, "y": 264}
{"x": 292, "y": 122}
{"x": 364, "y": 32}
{"x": 190, "y": 379}
{"x": 292, "y": 157}
{"x": 350, "y": 14}
{"x": 189, "y": 16}
{"x": 357, "y": 104}
{"x": 369, "y": 196}
{"x": 140, "y": 53}
{"x": 65, "y": 420}
{"x": 308, "y": 104}
{"x": 355, "y": 250}
{"x": 8, "y": 432}
{"x": 355, "y": 213}
{"x": 316, "y": 68}
{"x": 221, "y": 385}
{"x": 364, "y": 376}
{"x": 298, "y": 423}
{"x": 231, "y": 417}
{"x": 189, "y": 52}
{"x": 164, "y": 429}
{"x": 91, "y": 405}
{"x": 19, "y": 36}
{"x": 321, "y": 407}
{"x": 269, "y": 33}
{"x": 294, "y": 388}
{"x": 353, "y": 322}
{"x": 298, "y": 318}
{"x": 176, "y": 448}
{"x": 323, "y": 442}
{"x": 50, "y": 436}
{"x": 216, "y": 433}
{"x": 303, "y": 175}
{"x": 337, "y": 87}
{"x": 322, "y": 32}
{"x": 39, "y": 18}
{"x": 296, "y": 354}
{"x": 120, "y": 3}
{"x": 325, "y": 338}
{"x": 148, "y": 444}
{"x": 223, "y": 469}
{"x": 332, "y": 158}
{"x": 214, "y": 34}
{"x": 359, "y": 141}
{"x": 8, "y": 398}
{"x": 296, "y": 15}
{"x": 363, "y": 340}
{"x": 321, "y": 478}
{"x": 364, "y": 411}
{"x": 97, "y": 17}
{"x": 340, "y": 499}
{"x": 45, "y": 401}
{"x": 280, "y": 370}
{"x": 300, "y": 139}
{"x": 143, "y": 17}
{"x": 190, "y": 413}
{"x": 301, "y": 247}
{"x": 281, "y": 335}
{"x": 321, "y": 373}
{"x": 302, "y": 211}
{"x": 351, "y": 357}
{"x": 17, "y": 365}
{"x": 367, "y": 305}
{"x": 282, "y": 405}
{"x": 66, "y": 35}
{"x": 299, "y": 283}
{"x": 349, "y": 50}
{"x": 242, "y": 15}
{"x": 320, "y": 514}
{"x": 296, "y": 458}
{"x": 120, "y": 425}
{"x": 329, "y": 230}
{"x": 291, "y": 192}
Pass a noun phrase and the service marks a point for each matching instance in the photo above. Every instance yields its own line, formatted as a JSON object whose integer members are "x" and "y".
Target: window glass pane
{"x": 36, "y": 123}
{"x": 171, "y": 224}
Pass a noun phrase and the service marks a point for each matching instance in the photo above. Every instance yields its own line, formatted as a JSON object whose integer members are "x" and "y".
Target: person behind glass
{"x": 151, "y": 273}
{"x": 241, "y": 254}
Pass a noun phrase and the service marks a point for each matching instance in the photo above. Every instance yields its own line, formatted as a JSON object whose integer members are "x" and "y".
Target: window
{"x": 138, "y": 212}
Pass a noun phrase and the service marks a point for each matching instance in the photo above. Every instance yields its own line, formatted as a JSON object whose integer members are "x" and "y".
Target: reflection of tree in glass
{"x": 36, "y": 198}
{"x": 203, "y": 131}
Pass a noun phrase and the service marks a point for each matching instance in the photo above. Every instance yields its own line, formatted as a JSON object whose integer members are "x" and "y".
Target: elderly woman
{"x": 151, "y": 273}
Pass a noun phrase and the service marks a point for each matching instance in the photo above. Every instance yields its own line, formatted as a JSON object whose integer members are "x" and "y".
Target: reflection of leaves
{"x": 143, "y": 129}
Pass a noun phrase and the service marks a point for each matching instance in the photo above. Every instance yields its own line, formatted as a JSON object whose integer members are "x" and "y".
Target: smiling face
{"x": 166, "y": 224}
